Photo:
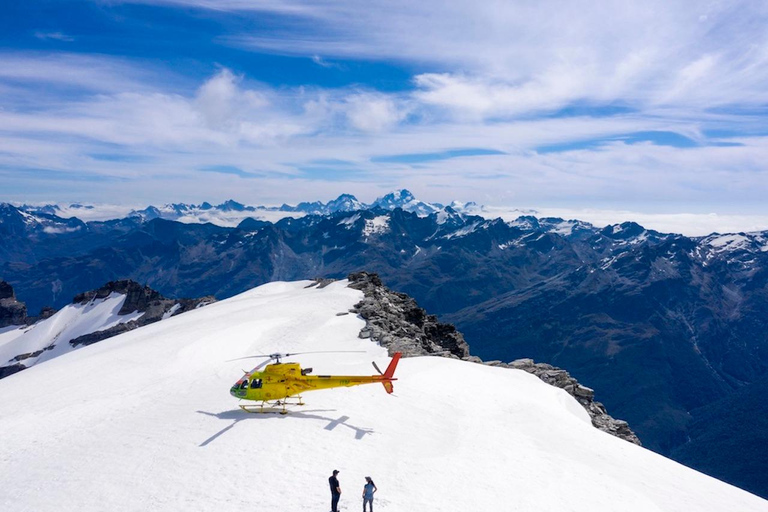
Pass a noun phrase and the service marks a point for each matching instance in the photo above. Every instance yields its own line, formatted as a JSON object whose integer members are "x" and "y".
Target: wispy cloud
{"x": 57, "y": 36}
{"x": 324, "y": 63}
{"x": 531, "y": 57}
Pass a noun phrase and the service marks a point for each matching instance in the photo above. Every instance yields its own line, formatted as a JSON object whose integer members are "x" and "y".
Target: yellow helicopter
{"x": 278, "y": 381}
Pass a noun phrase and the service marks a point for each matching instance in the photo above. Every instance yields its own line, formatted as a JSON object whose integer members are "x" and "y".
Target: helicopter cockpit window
{"x": 244, "y": 385}
{"x": 256, "y": 383}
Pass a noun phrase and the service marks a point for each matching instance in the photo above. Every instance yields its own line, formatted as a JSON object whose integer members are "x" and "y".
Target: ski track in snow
{"x": 144, "y": 421}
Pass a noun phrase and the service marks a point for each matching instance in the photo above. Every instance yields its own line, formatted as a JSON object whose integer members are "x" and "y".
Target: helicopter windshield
{"x": 244, "y": 385}
{"x": 256, "y": 383}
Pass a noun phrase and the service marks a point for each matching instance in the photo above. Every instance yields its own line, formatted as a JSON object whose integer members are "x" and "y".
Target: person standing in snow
{"x": 335, "y": 491}
{"x": 368, "y": 489}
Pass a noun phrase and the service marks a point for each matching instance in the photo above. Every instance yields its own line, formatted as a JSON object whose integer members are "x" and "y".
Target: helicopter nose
{"x": 237, "y": 391}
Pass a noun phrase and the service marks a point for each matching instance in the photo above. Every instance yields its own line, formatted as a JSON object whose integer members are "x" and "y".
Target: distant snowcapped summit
{"x": 405, "y": 200}
{"x": 396, "y": 199}
{"x": 230, "y": 213}
{"x": 234, "y": 206}
{"x": 17, "y": 221}
{"x": 345, "y": 203}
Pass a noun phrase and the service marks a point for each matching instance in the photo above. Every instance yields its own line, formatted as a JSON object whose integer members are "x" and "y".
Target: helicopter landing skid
{"x": 278, "y": 406}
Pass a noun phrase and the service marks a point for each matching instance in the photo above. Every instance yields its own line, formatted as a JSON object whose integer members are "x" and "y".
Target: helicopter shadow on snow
{"x": 238, "y": 416}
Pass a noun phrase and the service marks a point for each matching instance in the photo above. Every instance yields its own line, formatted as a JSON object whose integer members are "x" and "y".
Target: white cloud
{"x": 82, "y": 73}
{"x": 223, "y": 103}
{"x": 373, "y": 112}
{"x": 534, "y": 56}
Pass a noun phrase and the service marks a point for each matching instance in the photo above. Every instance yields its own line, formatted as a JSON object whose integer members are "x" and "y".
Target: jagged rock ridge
{"x": 395, "y": 321}
{"x": 138, "y": 299}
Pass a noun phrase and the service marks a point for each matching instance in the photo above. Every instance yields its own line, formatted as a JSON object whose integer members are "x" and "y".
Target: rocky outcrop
{"x": 138, "y": 298}
{"x": 12, "y": 312}
{"x": 5, "y": 371}
{"x": 395, "y": 321}
{"x": 585, "y": 396}
{"x": 45, "y": 312}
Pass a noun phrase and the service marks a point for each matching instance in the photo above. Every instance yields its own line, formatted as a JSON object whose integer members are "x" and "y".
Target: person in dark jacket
{"x": 368, "y": 489}
{"x": 335, "y": 491}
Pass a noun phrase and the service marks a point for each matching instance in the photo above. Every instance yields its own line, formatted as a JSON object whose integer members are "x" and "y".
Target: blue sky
{"x": 654, "y": 107}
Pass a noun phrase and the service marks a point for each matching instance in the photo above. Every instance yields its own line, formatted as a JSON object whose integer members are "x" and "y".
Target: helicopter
{"x": 274, "y": 385}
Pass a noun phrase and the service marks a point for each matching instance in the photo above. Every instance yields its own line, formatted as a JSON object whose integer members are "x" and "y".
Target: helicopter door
{"x": 256, "y": 384}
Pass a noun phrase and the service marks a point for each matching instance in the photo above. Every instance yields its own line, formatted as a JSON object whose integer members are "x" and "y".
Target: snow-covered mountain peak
{"x": 345, "y": 203}
{"x": 18, "y": 221}
{"x": 405, "y": 200}
{"x": 449, "y": 216}
{"x": 396, "y": 199}
{"x": 232, "y": 205}
{"x": 144, "y": 421}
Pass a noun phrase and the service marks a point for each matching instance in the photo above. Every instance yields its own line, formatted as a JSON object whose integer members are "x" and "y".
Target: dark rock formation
{"x": 5, "y": 371}
{"x": 138, "y": 299}
{"x": 585, "y": 396}
{"x": 22, "y": 357}
{"x": 45, "y": 312}
{"x": 395, "y": 321}
{"x": 12, "y": 312}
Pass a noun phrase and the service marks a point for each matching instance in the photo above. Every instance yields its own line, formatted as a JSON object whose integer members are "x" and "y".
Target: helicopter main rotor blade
{"x": 289, "y": 354}
{"x": 248, "y": 357}
{"x": 261, "y": 365}
{"x": 325, "y": 352}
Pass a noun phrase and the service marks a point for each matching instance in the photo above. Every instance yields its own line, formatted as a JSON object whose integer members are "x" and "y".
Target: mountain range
{"x": 669, "y": 329}
{"x": 230, "y": 213}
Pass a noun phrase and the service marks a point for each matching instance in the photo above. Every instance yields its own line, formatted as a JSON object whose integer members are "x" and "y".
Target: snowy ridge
{"x": 144, "y": 421}
{"x": 67, "y": 324}
{"x": 750, "y": 242}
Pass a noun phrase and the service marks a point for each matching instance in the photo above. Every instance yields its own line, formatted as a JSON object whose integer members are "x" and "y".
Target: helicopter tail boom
{"x": 389, "y": 374}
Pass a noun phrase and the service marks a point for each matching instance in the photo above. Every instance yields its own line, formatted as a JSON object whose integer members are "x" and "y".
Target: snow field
{"x": 144, "y": 421}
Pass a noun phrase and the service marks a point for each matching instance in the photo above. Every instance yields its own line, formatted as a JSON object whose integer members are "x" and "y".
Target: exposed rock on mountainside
{"x": 395, "y": 321}
{"x": 585, "y": 396}
{"x": 92, "y": 317}
{"x": 12, "y": 312}
{"x": 5, "y": 371}
{"x": 138, "y": 299}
